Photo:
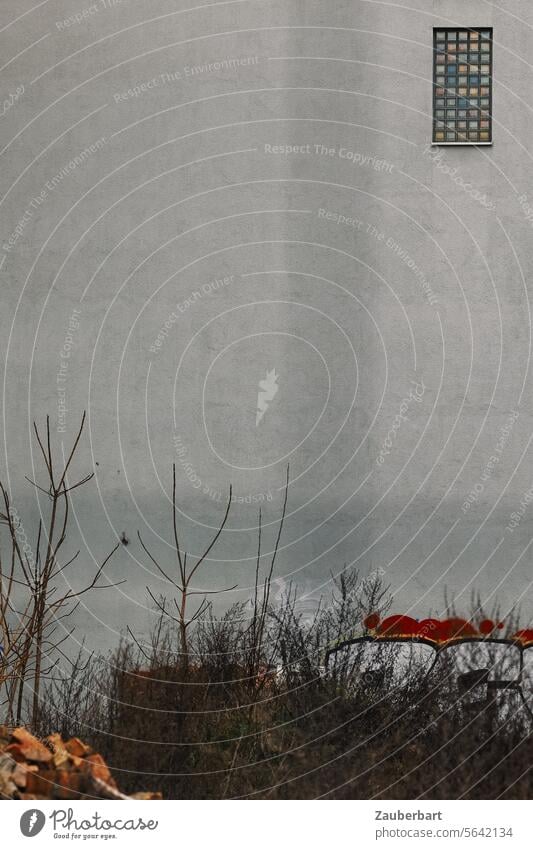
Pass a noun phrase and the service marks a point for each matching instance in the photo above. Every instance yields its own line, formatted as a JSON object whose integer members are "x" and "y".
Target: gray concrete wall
{"x": 170, "y": 248}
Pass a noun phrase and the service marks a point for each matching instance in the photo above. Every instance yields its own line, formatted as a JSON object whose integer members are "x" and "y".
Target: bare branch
{"x": 175, "y": 526}
{"x": 212, "y": 592}
{"x": 137, "y": 643}
{"x": 43, "y": 452}
{"x": 81, "y": 482}
{"x": 36, "y": 485}
{"x": 214, "y": 540}
{"x": 73, "y": 451}
{"x": 156, "y": 564}
{"x": 161, "y": 606}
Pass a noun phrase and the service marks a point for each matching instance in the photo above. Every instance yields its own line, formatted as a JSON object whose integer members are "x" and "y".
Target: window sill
{"x": 461, "y": 144}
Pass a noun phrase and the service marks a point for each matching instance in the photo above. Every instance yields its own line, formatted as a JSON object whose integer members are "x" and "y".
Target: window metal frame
{"x": 465, "y": 142}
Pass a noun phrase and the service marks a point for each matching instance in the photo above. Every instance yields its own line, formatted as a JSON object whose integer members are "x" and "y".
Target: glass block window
{"x": 462, "y": 85}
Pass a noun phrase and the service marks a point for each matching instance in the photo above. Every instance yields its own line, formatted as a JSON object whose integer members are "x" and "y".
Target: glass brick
{"x": 462, "y": 85}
